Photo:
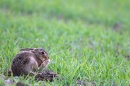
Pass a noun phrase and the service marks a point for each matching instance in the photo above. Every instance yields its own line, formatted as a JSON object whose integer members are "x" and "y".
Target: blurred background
{"x": 103, "y": 12}
{"x": 52, "y": 23}
{"x": 90, "y": 37}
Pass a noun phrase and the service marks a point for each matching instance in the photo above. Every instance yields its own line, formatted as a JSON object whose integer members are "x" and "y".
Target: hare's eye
{"x": 42, "y": 52}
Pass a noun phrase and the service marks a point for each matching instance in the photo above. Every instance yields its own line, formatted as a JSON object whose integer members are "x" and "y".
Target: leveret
{"x": 28, "y": 60}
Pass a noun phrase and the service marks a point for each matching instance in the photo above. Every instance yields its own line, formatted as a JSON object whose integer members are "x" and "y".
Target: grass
{"x": 79, "y": 36}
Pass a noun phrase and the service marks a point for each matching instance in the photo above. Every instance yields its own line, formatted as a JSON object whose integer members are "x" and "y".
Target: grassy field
{"x": 88, "y": 41}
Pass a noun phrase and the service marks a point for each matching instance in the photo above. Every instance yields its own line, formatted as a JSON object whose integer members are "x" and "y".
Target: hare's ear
{"x": 33, "y": 51}
{"x": 26, "y": 49}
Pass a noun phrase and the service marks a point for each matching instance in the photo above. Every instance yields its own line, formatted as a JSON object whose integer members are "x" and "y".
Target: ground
{"x": 88, "y": 41}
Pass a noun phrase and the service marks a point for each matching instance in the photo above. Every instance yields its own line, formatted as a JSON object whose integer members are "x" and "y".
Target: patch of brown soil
{"x": 47, "y": 76}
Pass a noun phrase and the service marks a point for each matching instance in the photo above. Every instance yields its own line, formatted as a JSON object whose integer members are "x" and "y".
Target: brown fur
{"x": 28, "y": 60}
